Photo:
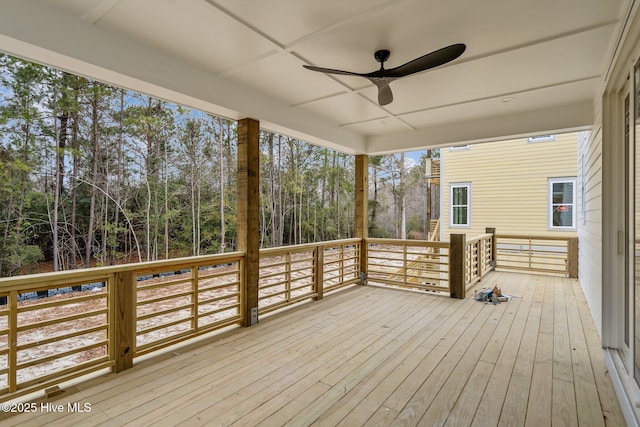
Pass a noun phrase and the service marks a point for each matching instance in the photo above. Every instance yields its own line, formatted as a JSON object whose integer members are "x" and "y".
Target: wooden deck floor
{"x": 373, "y": 356}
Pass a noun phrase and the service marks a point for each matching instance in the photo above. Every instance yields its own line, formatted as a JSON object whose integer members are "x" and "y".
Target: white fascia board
{"x": 33, "y": 31}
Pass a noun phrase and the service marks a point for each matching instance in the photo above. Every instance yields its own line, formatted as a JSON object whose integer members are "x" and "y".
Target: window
{"x": 562, "y": 203}
{"x": 541, "y": 138}
{"x": 460, "y": 197}
{"x": 460, "y": 148}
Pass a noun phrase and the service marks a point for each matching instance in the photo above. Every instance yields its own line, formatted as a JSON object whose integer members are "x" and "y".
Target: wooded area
{"x": 96, "y": 175}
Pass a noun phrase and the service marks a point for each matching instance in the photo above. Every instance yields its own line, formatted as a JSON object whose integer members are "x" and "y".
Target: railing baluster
{"x": 480, "y": 256}
{"x": 195, "y": 315}
{"x": 572, "y": 257}
{"x": 13, "y": 341}
{"x": 341, "y": 263}
{"x": 287, "y": 277}
{"x": 404, "y": 263}
{"x": 318, "y": 260}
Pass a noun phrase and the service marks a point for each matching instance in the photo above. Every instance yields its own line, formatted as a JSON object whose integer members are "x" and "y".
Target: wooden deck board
{"x": 375, "y": 382}
{"x": 587, "y": 402}
{"x": 606, "y": 393}
{"x": 488, "y": 413}
{"x": 515, "y": 405}
{"x": 239, "y": 376}
{"x": 375, "y": 356}
{"x": 539, "y": 405}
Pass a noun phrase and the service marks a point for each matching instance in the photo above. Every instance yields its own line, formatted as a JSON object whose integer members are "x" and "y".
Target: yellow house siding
{"x": 509, "y": 183}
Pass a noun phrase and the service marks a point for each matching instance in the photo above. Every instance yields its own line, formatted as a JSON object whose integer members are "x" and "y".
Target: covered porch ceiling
{"x": 529, "y": 67}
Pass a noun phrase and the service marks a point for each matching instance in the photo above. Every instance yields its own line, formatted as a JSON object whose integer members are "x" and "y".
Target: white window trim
{"x": 451, "y": 187}
{"x": 574, "y": 217}
{"x": 583, "y": 188}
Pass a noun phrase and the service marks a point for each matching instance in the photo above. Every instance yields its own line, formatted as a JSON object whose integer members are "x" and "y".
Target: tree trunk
{"x": 95, "y": 141}
{"x": 272, "y": 192}
{"x": 221, "y": 167}
{"x": 337, "y": 193}
{"x": 118, "y": 190}
{"x": 105, "y": 227}
{"x": 428, "y": 202}
{"x": 403, "y": 210}
{"x": 61, "y": 137}
{"x": 74, "y": 194}
{"x": 280, "y": 201}
{"x": 166, "y": 204}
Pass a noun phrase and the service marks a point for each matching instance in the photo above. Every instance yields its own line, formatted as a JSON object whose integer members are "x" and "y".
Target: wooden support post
{"x": 494, "y": 248}
{"x": 319, "y": 272}
{"x": 457, "y": 260}
{"x": 362, "y": 207}
{"x": 248, "y": 214}
{"x": 572, "y": 257}
{"x": 123, "y": 335}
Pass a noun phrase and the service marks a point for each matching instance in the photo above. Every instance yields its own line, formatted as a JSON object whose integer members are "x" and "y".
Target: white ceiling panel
{"x": 282, "y": 76}
{"x": 345, "y": 108}
{"x": 76, "y": 7}
{"x": 502, "y": 106}
{"x": 245, "y": 58}
{"x": 416, "y": 27}
{"x": 286, "y": 21}
{"x": 382, "y": 126}
{"x": 546, "y": 64}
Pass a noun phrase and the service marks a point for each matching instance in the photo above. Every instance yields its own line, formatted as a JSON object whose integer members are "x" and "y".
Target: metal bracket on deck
{"x": 363, "y": 278}
{"x": 254, "y": 316}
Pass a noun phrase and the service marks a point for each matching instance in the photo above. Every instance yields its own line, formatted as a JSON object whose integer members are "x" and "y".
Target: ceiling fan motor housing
{"x": 382, "y": 55}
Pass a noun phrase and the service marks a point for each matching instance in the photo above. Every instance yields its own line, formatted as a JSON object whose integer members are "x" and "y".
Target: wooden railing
{"x": 87, "y": 316}
{"x": 105, "y": 317}
{"x": 433, "y": 168}
{"x": 341, "y": 264}
{"x": 98, "y": 318}
{"x": 53, "y": 339}
{"x": 434, "y": 234}
{"x": 479, "y": 257}
{"x": 180, "y": 300}
{"x": 292, "y": 274}
{"x": 541, "y": 254}
{"x": 287, "y": 276}
{"x": 408, "y": 263}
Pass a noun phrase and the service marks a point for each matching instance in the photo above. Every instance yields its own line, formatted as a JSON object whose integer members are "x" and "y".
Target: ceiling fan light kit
{"x": 382, "y": 77}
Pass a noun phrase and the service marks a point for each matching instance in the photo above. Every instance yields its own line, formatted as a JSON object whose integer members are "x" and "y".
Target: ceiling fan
{"x": 382, "y": 77}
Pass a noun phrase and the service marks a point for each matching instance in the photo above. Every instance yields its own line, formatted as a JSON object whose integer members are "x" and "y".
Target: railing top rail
{"x": 281, "y": 250}
{"x": 307, "y": 246}
{"x": 533, "y": 237}
{"x": 425, "y": 243}
{"x": 478, "y": 238}
{"x": 102, "y": 273}
{"x": 339, "y": 242}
